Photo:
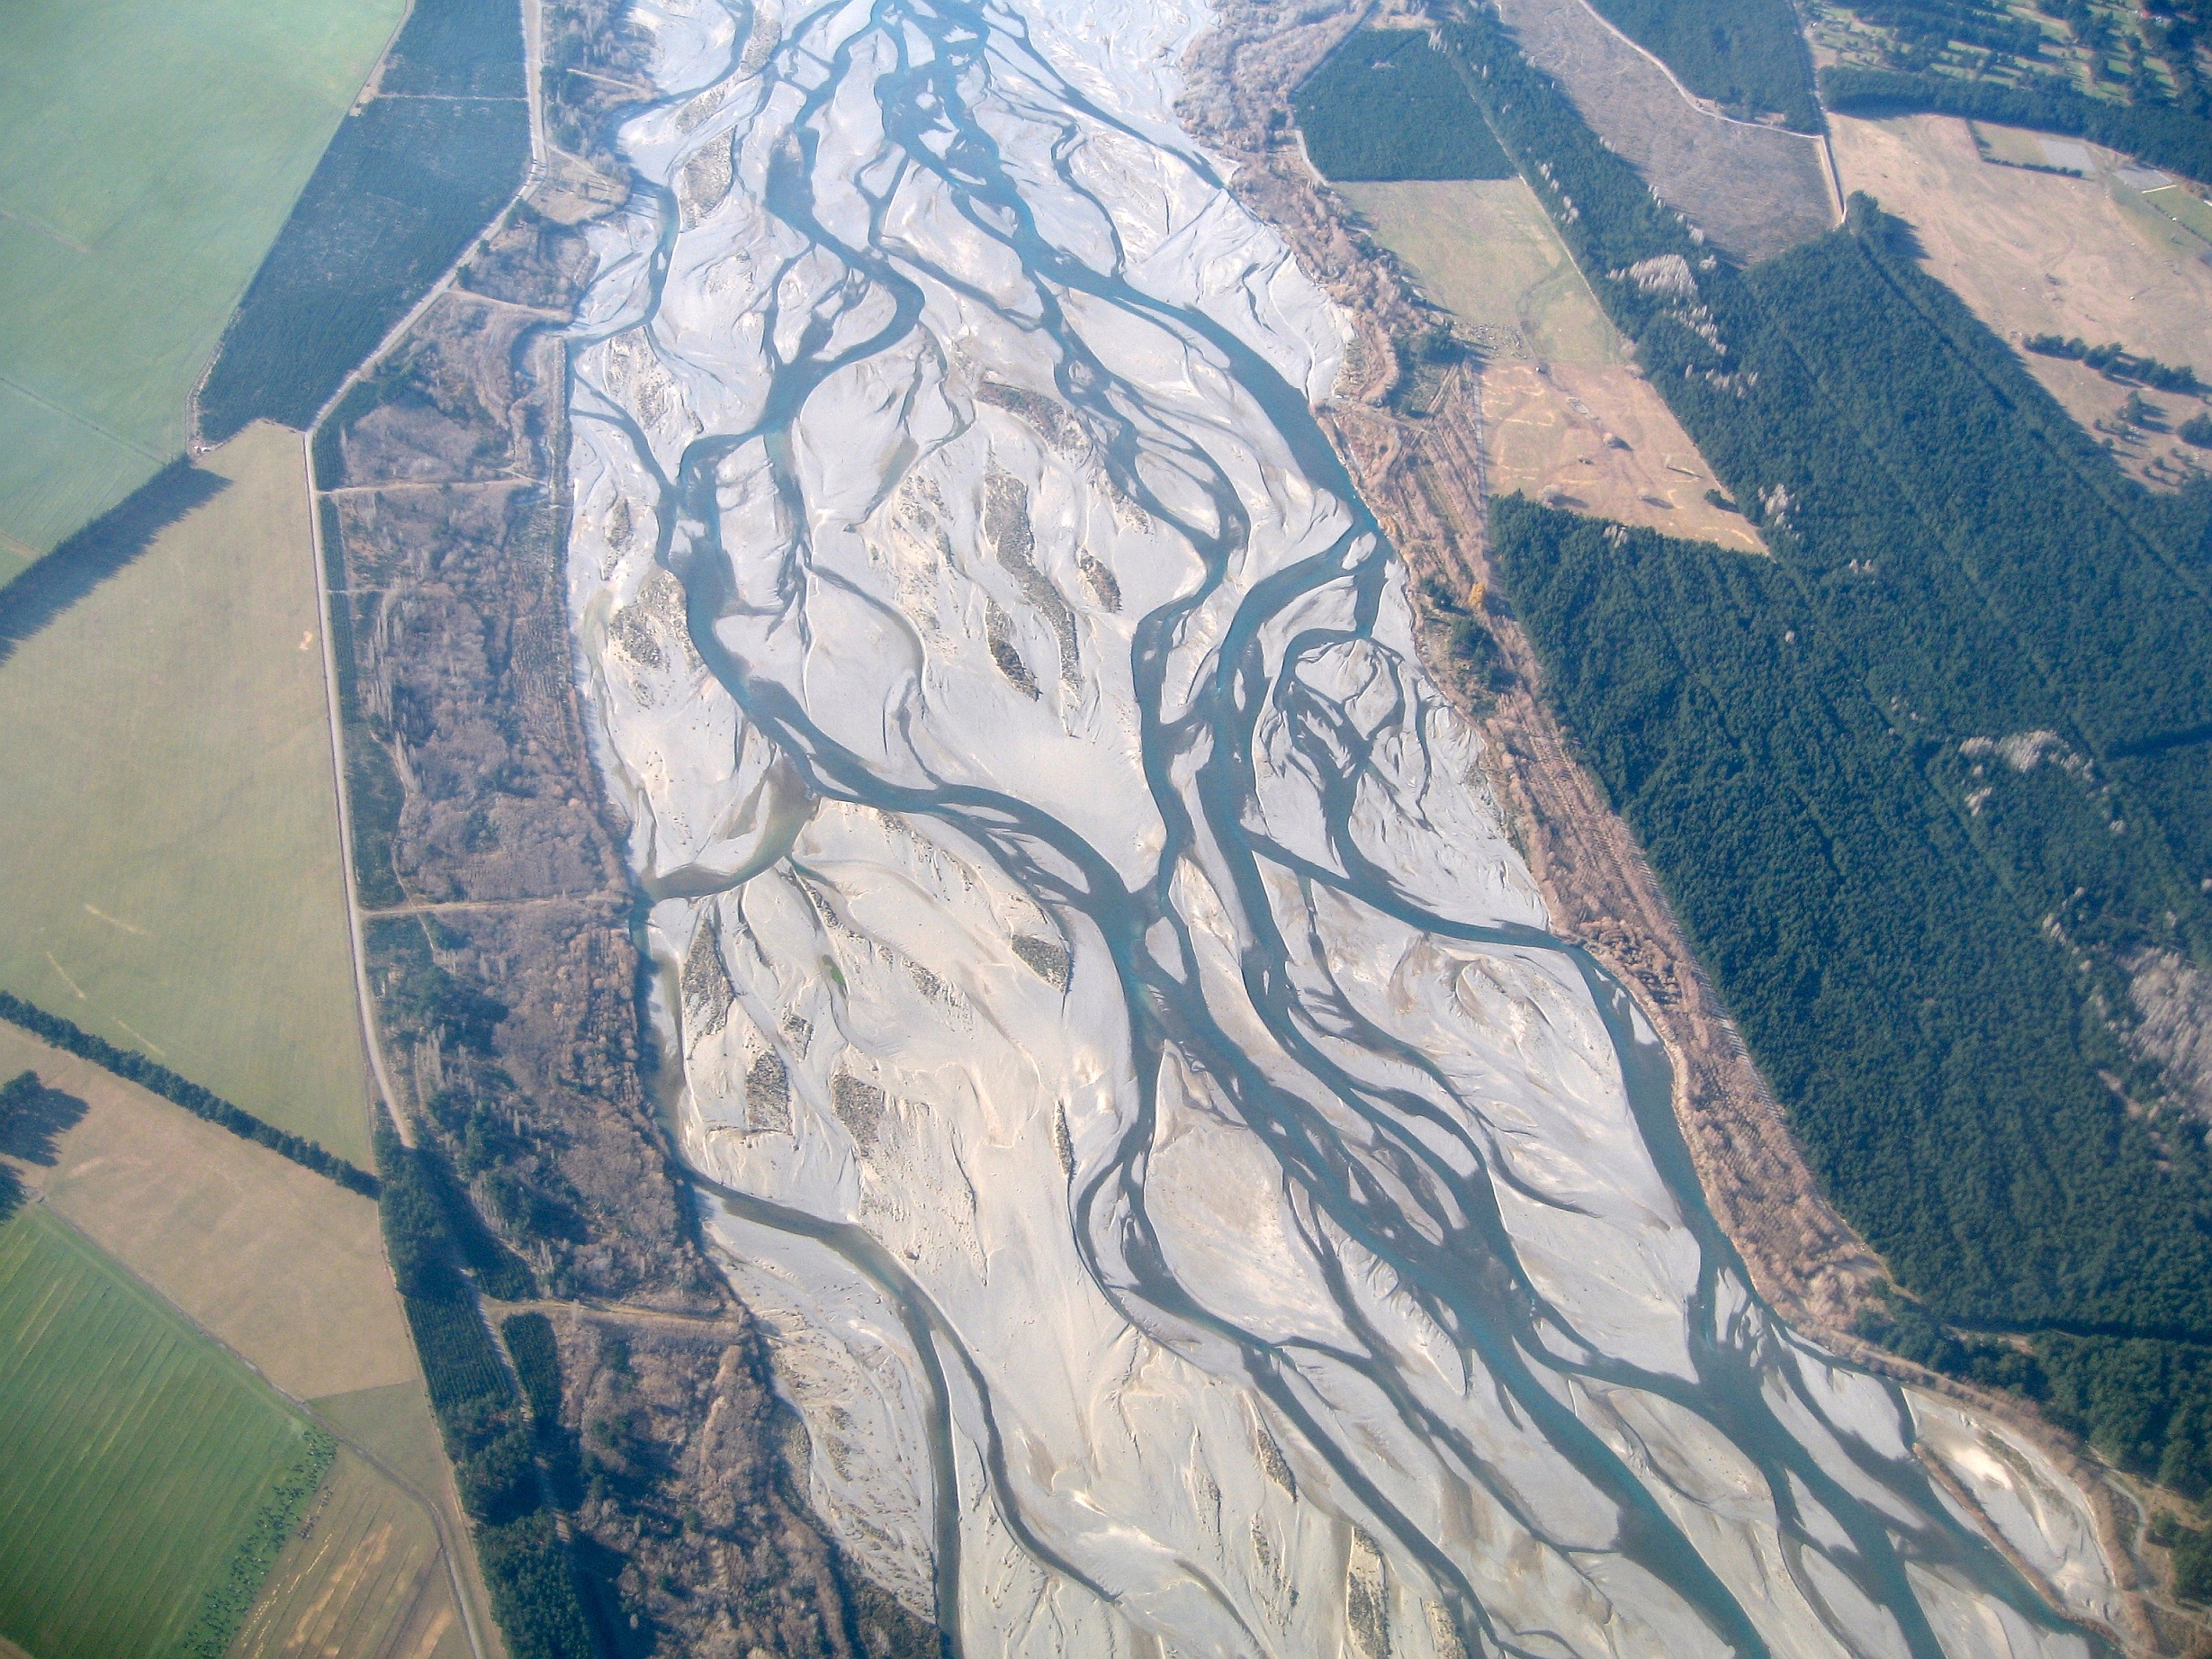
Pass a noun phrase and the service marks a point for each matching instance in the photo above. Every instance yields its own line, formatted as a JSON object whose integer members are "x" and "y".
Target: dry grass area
{"x": 282, "y": 1266}
{"x": 362, "y": 1579}
{"x": 1597, "y": 439}
{"x": 1485, "y": 249}
{"x": 393, "y": 1425}
{"x": 2038, "y": 253}
{"x": 1756, "y": 190}
{"x": 168, "y": 823}
{"x": 1565, "y": 418}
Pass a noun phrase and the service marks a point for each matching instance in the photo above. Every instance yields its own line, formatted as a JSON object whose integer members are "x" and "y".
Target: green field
{"x": 135, "y": 1454}
{"x": 168, "y": 840}
{"x": 148, "y": 155}
{"x": 1485, "y": 249}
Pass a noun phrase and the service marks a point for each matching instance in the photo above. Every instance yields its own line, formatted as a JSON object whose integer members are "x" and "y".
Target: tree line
{"x": 2114, "y": 361}
{"x": 159, "y": 1079}
{"x": 2164, "y": 135}
{"x": 432, "y": 1235}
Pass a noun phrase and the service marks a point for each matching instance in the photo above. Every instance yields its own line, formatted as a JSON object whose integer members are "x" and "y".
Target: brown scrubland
{"x": 498, "y": 924}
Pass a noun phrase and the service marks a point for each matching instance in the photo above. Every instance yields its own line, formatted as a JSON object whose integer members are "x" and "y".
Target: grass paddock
{"x": 134, "y": 1453}
{"x": 168, "y": 838}
{"x": 148, "y": 155}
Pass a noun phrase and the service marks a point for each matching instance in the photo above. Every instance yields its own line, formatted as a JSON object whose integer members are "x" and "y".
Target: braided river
{"x": 1196, "y": 1204}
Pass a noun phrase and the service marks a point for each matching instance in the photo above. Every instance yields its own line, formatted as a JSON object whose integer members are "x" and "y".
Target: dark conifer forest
{"x": 1920, "y": 786}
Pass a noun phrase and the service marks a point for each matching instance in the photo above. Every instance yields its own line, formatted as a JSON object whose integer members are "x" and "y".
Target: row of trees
{"x": 432, "y": 1234}
{"x": 231, "y": 1597}
{"x": 2164, "y": 135}
{"x": 2114, "y": 361}
{"x": 156, "y": 1078}
{"x": 1940, "y": 22}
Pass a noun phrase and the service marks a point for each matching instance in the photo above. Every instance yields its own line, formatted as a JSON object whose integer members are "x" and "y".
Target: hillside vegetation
{"x": 2136, "y": 80}
{"x": 1918, "y": 785}
{"x": 1745, "y": 55}
{"x": 1385, "y": 106}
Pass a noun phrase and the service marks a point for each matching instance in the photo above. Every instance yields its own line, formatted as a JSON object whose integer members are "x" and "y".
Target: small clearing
{"x": 1757, "y": 191}
{"x": 2113, "y": 257}
{"x": 1565, "y": 418}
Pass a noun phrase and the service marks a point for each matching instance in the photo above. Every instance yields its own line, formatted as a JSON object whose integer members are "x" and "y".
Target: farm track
{"x": 465, "y": 906}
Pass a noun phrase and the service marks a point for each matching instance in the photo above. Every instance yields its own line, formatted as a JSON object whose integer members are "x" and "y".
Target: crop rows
{"x": 134, "y": 1455}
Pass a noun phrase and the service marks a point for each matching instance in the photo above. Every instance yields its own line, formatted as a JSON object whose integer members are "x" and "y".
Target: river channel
{"x": 1200, "y": 1205}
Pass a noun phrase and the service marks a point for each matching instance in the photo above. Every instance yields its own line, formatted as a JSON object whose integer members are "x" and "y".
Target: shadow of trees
{"x": 108, "y": 543}
{"x": 32, "y": 1119}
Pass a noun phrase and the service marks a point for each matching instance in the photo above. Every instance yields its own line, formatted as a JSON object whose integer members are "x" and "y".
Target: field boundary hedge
{"x": 205, "y": 1104}
{"x": 2161, "y": 135}
{"x": 230, "y": 1599}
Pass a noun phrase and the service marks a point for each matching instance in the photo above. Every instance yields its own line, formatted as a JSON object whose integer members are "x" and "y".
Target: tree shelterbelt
{"x": 1922, "y": 787}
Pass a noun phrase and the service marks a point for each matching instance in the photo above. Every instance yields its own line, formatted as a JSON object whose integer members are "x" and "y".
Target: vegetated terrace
{"x": 1926, "y": 789}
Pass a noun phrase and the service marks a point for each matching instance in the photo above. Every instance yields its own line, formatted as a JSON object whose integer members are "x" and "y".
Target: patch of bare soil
{"x": 2039, "y": 253}
{"x": 1757, "y": 191}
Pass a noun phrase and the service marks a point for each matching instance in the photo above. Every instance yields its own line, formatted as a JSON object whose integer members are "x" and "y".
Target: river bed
{"x": 1197, "y": 1206}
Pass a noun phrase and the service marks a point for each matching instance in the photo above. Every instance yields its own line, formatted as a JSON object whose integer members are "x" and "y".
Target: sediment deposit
{"x": 1196, "y": 1202}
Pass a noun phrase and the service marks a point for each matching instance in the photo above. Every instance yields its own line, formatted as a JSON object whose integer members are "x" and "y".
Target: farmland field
{"x": 168, "y": 840}
{"x": 394, "y": 1423}
{"x": 135, "y": 1454}
{"x": 1756, "y": 190}
{"x": 281, "y": 1265}
{"x": 1564, "y": 417}
{"x": 148, "y": 155}
{"x": 361, "y": 1577}
{"x": 2036, "y": 253}
{"x": 1485, "y": 249}
{"x": 410, "y": 180}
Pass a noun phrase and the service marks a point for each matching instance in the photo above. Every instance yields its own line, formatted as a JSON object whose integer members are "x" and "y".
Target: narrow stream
{"x": 1386, "y": 1157}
